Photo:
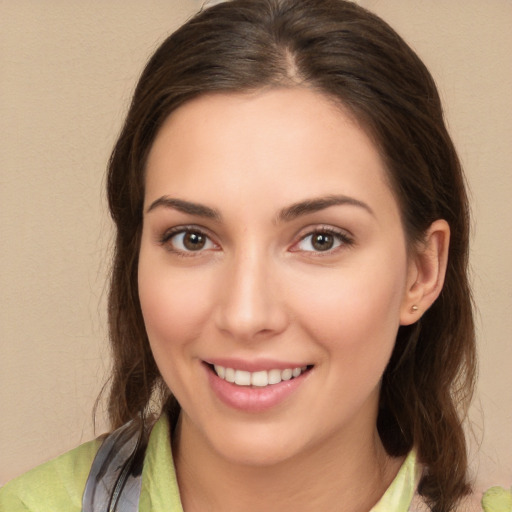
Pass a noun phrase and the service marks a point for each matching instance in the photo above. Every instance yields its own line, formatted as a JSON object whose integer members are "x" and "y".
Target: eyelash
{"x": 343, "y": 239}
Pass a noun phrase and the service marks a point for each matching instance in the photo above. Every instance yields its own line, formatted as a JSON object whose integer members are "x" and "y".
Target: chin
{"x": 256, "y": 452}
{"x": 254, "y": 444}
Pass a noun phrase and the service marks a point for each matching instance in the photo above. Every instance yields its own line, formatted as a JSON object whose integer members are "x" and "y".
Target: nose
{"x": 250, "y": 306}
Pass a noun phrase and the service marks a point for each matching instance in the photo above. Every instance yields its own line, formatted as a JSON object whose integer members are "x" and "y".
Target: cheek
{"x": 173, "y": 308}
{"x": 355, "y": 314}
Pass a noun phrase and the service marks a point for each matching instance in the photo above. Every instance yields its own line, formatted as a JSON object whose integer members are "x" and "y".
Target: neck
{"x": 337, "y": 472}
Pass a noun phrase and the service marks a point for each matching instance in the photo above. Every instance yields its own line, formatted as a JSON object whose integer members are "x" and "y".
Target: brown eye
{"x": 194, "y": 241}
{"x": 187, "y": 241}
{"x": 322, "y": 241}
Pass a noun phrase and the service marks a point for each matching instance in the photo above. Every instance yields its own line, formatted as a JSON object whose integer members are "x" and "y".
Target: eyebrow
{"x": 285, "y": 215}
{"x": 317, "y": 204}
{"x": 188, "y": 207}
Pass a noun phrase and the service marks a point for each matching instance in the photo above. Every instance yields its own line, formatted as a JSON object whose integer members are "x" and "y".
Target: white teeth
{"x": 230, "y": 375}
{"x": 221, "y": 371}
{"x": 274, "y": 376}
{"x": 258, "y": 379}
{"x": 242, "y": 378}
{"x": 287, "y": 374}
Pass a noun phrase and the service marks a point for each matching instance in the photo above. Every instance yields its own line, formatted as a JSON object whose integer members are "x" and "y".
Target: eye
{"x": 322, "y": 240}
{"x": 187, "y": 241}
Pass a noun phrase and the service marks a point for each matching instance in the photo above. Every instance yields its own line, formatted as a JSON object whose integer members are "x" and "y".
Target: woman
{"x": 289, "y": 292}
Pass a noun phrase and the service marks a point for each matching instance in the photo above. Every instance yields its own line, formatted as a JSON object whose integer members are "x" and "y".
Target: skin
{"x": 258, "y": 289}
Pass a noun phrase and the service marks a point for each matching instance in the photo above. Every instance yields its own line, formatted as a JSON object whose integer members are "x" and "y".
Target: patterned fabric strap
{"x": 115, "y": 479}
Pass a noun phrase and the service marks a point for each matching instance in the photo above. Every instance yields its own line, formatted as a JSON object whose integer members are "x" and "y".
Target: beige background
{"x": 67, "y": 69}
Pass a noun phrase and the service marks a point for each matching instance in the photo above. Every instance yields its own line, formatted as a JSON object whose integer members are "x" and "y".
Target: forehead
{"x": 279, "y": 143}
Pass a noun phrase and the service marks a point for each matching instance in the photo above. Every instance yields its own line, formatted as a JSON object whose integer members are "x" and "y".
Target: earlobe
{"x": 427, "y": 269}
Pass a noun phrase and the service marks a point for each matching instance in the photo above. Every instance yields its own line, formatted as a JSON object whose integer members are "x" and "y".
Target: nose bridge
{"x": 250, "y": 305}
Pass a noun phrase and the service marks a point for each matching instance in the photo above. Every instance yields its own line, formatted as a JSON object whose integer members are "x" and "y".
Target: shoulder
{"x": 55, "y": 485}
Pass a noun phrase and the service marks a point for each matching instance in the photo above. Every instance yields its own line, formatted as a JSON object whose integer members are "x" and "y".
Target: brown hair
{"x": 349, "y": 54}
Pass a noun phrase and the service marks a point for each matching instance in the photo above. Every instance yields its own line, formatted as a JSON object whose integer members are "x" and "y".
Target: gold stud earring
{"x": 414, "y": 308}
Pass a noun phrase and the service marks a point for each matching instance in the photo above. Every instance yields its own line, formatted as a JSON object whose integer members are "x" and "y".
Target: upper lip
{"x": 254, "y": 365}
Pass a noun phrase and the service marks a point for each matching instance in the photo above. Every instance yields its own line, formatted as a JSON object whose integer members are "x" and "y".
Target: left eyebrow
{"x": 187, "y": 207}
{"x": 317, "y": 204}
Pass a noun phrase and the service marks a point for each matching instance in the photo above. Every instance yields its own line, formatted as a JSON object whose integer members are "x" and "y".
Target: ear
{"x": 426, "y": 272}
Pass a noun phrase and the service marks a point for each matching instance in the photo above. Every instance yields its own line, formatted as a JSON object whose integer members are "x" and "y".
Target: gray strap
{"x": 115, "y": 479}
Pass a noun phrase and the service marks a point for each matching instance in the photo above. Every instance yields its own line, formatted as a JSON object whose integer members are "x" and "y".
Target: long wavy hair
{"x": 345, "y": 52}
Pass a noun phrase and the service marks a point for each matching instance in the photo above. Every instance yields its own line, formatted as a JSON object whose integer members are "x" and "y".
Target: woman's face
{"x": 273, "y": 255}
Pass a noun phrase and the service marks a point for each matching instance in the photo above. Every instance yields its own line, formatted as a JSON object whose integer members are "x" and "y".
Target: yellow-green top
{"x": 59, "y": 484}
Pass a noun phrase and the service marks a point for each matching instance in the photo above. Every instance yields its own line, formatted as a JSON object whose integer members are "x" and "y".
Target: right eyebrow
{"x": 188, "y": 207}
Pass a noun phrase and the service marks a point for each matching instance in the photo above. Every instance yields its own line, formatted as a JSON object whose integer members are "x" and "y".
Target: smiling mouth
{"x": 258, "y": 379}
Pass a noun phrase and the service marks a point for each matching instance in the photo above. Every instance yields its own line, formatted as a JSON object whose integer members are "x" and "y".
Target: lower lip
{"x": 253, "y": 399}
